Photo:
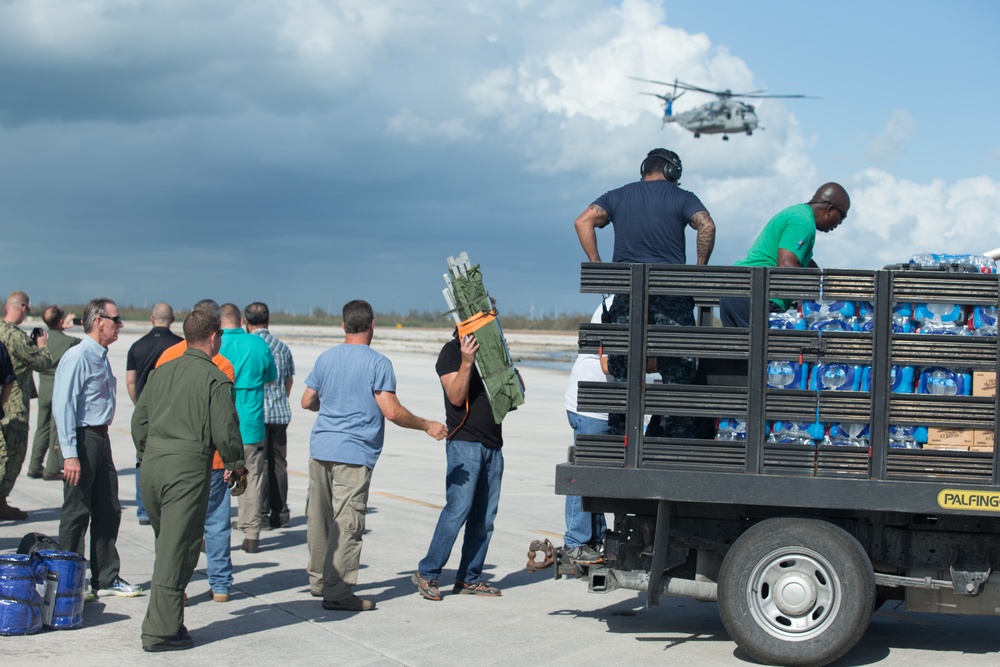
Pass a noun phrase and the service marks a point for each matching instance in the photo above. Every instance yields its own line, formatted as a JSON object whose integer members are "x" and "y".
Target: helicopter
{"x": 725, "y": 115}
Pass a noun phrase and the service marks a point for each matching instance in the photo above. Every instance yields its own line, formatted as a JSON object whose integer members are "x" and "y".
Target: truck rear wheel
{"x": 796, "y": 592}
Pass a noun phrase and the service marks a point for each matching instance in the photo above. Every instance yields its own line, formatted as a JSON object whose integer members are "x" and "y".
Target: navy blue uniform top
{"x": 649, "y": 219}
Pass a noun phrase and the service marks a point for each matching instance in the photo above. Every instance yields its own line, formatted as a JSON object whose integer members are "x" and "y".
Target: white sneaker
{"x": 120, "y": 588}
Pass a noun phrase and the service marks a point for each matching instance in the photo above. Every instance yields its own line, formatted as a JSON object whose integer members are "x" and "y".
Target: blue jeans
{"x": 218, "y": 534}
{"x": 583, "y": 527}
{"x": 472, "y": 495}
{"x": 140, "y": 509}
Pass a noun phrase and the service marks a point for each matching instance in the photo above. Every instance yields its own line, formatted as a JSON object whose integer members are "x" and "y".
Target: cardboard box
{"x": 982, "y": 439}
{"x": 962, "y": 437}
{"x": 985, "y": 450}
{"x": 984, "y": 383}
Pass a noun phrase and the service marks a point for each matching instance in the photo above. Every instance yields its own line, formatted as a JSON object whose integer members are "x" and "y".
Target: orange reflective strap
{"x": 476, "y": 322}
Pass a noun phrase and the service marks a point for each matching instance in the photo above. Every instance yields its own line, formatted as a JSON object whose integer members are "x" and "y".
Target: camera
{"x": 77, "y": 321}
{"x": 36, "y": 333}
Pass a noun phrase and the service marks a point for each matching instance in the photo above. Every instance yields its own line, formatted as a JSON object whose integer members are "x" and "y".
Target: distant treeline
{"x": 425, "y": 319}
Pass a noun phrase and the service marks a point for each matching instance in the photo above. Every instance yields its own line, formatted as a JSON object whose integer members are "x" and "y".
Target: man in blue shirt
{"x": 254, "y": 367}
{"x": 353, "y": 388}
{"x": 650, "y": 218}
{"x": 83, "y": 406}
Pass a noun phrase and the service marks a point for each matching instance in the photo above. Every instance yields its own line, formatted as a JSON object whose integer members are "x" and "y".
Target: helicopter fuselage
{"x": 719, "y": 117}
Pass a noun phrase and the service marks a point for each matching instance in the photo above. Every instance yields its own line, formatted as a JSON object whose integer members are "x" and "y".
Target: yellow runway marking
{"x": 548, "y": 533}
{"x": 406, "y": 500}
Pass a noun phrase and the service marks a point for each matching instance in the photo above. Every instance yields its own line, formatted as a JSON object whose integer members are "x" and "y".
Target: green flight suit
{"x": 185, "y": 412}
{"x": 26, "y": 357}
{"x": 46, "y": 439}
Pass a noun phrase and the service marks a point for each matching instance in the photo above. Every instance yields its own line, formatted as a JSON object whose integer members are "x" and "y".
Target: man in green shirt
{"x": 787, "y": 241}
{"x": 185, "y": 412}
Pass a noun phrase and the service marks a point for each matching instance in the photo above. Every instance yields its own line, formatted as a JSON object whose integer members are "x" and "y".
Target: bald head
{"x": 830, "y": 205}
{"x": 162, "y": 315}
{"x": 231, "y": 316}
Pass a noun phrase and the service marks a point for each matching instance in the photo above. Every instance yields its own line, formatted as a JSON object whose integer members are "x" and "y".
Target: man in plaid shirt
{"x": 277, "y": 415}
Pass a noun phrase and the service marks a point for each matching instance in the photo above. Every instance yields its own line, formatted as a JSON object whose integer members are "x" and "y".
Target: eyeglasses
{"x": 842, "y": 212}
{"x": 117, "y": 319}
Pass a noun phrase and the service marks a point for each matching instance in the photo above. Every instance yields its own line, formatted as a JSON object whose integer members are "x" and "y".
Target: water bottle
{"x": 941, "y": 383}
{"x": 925, "y": 259}
{"x": 731, "y": 429}
{"x": 903, "y": 437}
{"x": 847, "y": 434}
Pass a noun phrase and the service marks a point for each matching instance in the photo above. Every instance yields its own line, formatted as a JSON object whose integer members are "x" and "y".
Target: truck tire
{"x": 796, "y": 591}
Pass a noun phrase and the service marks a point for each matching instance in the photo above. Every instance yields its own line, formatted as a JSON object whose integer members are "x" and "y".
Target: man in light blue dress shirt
{"x": 83, "y": 406}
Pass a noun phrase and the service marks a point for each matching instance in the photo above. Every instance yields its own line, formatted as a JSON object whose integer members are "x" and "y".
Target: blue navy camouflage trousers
{"x": 668, "y": 311}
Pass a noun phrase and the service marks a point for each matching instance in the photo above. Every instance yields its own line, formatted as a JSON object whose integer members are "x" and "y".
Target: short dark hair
{"x": 358, "y": 316}
{"x": 93, "y": 310}
{"x": 199, "y": 325}
{"x": 53, "y": 317}
{"x": 257, "y": 314}
{"x": 230, "y": 311}
{"x": 210, "y": 305}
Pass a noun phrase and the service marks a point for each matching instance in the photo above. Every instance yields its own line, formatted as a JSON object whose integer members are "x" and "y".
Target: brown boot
{"x": 8, "y": 513}
{"x": 251, "y": 546}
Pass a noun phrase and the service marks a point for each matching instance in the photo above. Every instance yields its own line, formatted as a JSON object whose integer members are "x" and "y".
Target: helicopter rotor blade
{"x": 675, "y": 84}
{"x": 757, "y": 94}
{"x": 764, "y": 95}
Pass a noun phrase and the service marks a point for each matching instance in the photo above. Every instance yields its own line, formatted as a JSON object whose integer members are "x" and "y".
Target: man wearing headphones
{"x": 650, "y": 217}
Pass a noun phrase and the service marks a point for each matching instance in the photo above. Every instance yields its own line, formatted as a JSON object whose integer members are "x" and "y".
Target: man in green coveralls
{"x": 27, "y": 356}
{"x": 46, "y": 437}
{"x": 186, "y": 411}
{"x": 787, "y": 241}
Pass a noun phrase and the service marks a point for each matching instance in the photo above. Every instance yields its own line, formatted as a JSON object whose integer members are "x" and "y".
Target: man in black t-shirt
{"x": 472, "y": 483}
{"x": 141, "y": 361}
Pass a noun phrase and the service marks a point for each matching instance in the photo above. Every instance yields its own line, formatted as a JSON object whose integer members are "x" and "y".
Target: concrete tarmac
{"x": 272, "y": 619}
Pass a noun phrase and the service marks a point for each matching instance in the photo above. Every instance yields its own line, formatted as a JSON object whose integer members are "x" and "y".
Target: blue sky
{"x": 306, "y": 153}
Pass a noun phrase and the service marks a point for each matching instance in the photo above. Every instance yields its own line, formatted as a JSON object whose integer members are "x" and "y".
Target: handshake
{"x": 237, "y": 481}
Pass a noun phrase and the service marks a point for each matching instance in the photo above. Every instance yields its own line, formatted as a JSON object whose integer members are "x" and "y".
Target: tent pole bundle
{"x": 472, "y": 309}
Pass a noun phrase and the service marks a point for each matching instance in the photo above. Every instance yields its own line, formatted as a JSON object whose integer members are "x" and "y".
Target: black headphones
{"x": 671, "y": 170}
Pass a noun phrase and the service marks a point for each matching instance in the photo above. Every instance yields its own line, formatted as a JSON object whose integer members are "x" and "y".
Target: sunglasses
{"x": 117, "y": 319}
{"x": 843, "y": 214}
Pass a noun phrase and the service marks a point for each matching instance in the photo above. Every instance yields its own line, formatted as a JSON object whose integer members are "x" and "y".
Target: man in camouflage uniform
{"x": 650, "y": 217}
{"x": 46, "y": 438}
{"x": 26, "y": 357}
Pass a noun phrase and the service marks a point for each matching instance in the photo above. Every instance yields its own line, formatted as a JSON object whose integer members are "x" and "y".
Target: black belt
{"x": 97, "y": 429}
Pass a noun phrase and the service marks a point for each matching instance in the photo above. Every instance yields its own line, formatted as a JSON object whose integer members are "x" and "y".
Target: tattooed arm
{"x": 586, "y": 228}
{"x": 703, "y": 222}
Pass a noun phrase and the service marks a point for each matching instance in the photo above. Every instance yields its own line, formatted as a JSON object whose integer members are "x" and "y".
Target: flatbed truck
{"x": 797, "y": 544}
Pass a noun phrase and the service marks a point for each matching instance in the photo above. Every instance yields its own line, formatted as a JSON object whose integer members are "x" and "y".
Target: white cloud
{"x": 891, "y": 219}
{"x": 899, "y": 129}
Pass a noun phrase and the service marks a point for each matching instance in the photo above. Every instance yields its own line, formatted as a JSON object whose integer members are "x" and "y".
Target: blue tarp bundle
{"x": 71, "y": 569}
{"x": 22, "y": 581}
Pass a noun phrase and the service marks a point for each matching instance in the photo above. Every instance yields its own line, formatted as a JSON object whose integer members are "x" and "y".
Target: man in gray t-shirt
{"x": 353, "y": 388}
